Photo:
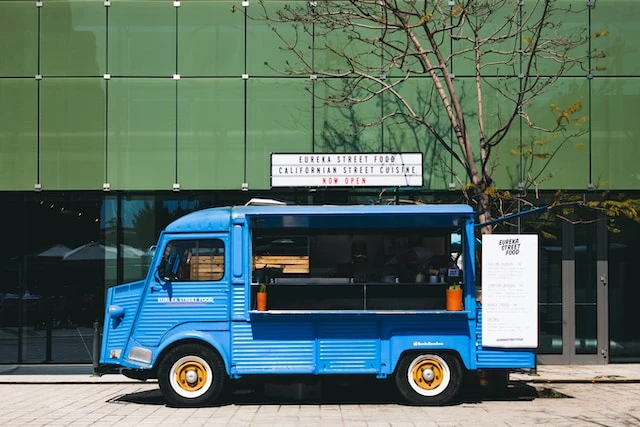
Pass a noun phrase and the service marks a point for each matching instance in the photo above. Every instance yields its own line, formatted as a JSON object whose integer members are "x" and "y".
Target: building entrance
{"x": 574, "y": 296}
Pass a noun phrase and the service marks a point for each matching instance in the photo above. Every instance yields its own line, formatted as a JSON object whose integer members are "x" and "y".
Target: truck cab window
{"x": 192, "y": 260}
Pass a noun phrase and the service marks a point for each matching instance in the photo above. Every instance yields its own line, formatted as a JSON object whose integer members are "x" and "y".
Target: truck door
{"x": 188, "y": 283}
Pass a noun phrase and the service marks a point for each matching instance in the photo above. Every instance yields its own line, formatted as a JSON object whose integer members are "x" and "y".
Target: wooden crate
{"x": 206, "y": 267}
{"x": 288, "y": 263}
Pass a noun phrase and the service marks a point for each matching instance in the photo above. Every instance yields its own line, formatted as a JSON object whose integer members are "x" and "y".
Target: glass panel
{"x": 142, "y": 134}
{"x": 497, "y": 108}
{"x": 12, "y": 270}
{"x": 61, "y": 278}
{"x": 18, "y": 133}
{"x": 615, "y": 130}
{"x": 109, "y": 229}
{"x": 615, "y": 32}
{"x": 345, "y": 129}
{"x": 398, "y": 50}
{"x": 138, "y": 233}
{"x": 550, "y": 287}
{"x": 72, "y": 133}
{"x": 545, "y": 111}
{"x": 405, "y": 134}
{"x": 343, "y": 45}
{"x": 586, "y": 289}
{"x": 264, "y": 46}
{"x": 192, "y": 261}
{"x": 139, "y": 217}
{"x": 624, "y": 292}
{"x": 210, "y": 146}
{"x": 498, "y": 30}
{"x": 278, "y": 120}
{"x": 142, "y": 38}
{"x": 211, "y": 39}
{"x": 19, "y": 41}
{"x": 73, "y": 36}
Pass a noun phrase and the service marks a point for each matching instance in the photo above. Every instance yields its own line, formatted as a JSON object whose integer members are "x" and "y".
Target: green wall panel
{"x": 497, "y": 58}
{"x": 210, "y": 143}
{"x": 569, "y": 167}
{"x": 18, "y": 38}
{"x": 618, "y": 19}
{"x": 263, "y": 44}
{"x": 210, "y": 39}
{"x": 402, "y": 134}
{"x": 18, "y": 133}
{"x": 142, "y": 38}
{"x": 142, "y": 134}
{"x": 615, "y": 133}
{"x": 278, "y": 120}
{"x": 72, "y": 133}
{"x": 349, "y": 129}
{"x": 73, "y": 38}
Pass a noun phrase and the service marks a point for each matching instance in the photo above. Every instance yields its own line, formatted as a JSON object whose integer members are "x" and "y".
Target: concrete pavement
{"x": 14, "y": 374}
{"x": 68, "y": 395}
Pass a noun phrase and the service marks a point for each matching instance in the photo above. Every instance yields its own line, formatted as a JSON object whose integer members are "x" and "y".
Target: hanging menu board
{"x": 510, "y": 290}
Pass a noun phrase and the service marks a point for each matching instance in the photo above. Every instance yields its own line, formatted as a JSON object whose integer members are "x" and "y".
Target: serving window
{"x": 340, "y": 270}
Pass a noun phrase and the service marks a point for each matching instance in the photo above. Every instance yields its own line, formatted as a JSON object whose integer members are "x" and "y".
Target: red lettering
{"x": 329, "y": 180}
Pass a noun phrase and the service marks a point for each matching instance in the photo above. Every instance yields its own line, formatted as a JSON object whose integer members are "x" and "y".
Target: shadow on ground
{"x": 363, "y": 392}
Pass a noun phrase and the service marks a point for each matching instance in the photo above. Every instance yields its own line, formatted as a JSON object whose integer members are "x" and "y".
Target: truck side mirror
{"x": 151, "y": 251}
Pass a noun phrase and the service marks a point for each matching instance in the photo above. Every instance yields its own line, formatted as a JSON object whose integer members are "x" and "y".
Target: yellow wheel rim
{"x": 191, "y": 376}
{"x": 429, "y": 375}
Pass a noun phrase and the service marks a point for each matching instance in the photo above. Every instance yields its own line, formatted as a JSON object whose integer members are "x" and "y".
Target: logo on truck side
{"x": 185, "y": 300}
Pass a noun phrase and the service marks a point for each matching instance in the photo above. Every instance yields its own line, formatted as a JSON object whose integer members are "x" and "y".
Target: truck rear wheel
{"x": 191, "y": 375}
{"x": 428, "y": 379}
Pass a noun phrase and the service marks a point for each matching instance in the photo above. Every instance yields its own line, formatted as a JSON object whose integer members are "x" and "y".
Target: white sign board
{"x": 510, "y": 290}
{"x": 346, "y": 170}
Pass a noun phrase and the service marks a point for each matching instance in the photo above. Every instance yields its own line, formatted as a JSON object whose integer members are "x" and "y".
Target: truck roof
{"x": 325, "y": 216}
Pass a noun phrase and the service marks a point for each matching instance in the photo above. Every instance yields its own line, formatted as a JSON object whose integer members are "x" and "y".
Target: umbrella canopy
{"x": 91, "y": 251}
{"x": 54, "y": 251}
{"x": 95, "y": 251}
{"x": 127, "y": 251}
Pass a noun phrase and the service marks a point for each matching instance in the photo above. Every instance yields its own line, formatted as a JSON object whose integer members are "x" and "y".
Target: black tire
{"x": 191, "y": 375}
{"x": 429, "y": 378}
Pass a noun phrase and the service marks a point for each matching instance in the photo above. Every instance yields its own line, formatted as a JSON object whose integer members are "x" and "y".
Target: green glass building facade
{"x": 118, "y": 116}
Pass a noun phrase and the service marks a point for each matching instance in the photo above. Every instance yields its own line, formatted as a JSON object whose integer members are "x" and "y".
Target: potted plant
{"x": 261, "y": 298}
{"x": 454, "y": 297}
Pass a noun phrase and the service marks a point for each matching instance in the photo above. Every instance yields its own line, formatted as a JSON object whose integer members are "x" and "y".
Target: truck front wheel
{"x": 191, "y": 375}
{"x": 428, "y": 379}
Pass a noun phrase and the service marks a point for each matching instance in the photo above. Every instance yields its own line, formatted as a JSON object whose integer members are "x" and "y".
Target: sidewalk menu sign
{"x": 510, "y": 290}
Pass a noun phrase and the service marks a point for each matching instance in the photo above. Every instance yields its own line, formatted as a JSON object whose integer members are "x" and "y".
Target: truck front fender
{"x": 212, "y": 334}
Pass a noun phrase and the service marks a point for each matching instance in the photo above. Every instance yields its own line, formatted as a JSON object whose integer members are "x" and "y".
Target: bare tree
{"x": 410, "y": 55}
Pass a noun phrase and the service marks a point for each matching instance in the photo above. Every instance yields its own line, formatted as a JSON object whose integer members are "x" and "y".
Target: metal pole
{"x": 96, "y": 347}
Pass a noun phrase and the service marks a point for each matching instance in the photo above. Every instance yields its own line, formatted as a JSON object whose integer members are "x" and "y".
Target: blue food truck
{"x": 350, "y": 290}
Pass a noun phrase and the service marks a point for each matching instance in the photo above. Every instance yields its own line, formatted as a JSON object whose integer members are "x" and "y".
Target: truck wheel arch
{"x": 168, "y": 346}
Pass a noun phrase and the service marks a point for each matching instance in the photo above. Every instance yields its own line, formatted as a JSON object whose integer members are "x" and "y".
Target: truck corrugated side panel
{"x": 159, "y": 315}
{"x": 238, "y": 301}
{"x": 116, "y": 334}
{"x": 348, "y": 347}
{"x": 502, "y": 358}
{"x": 430, "y": 332}
{"x": 283, "y": 347}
